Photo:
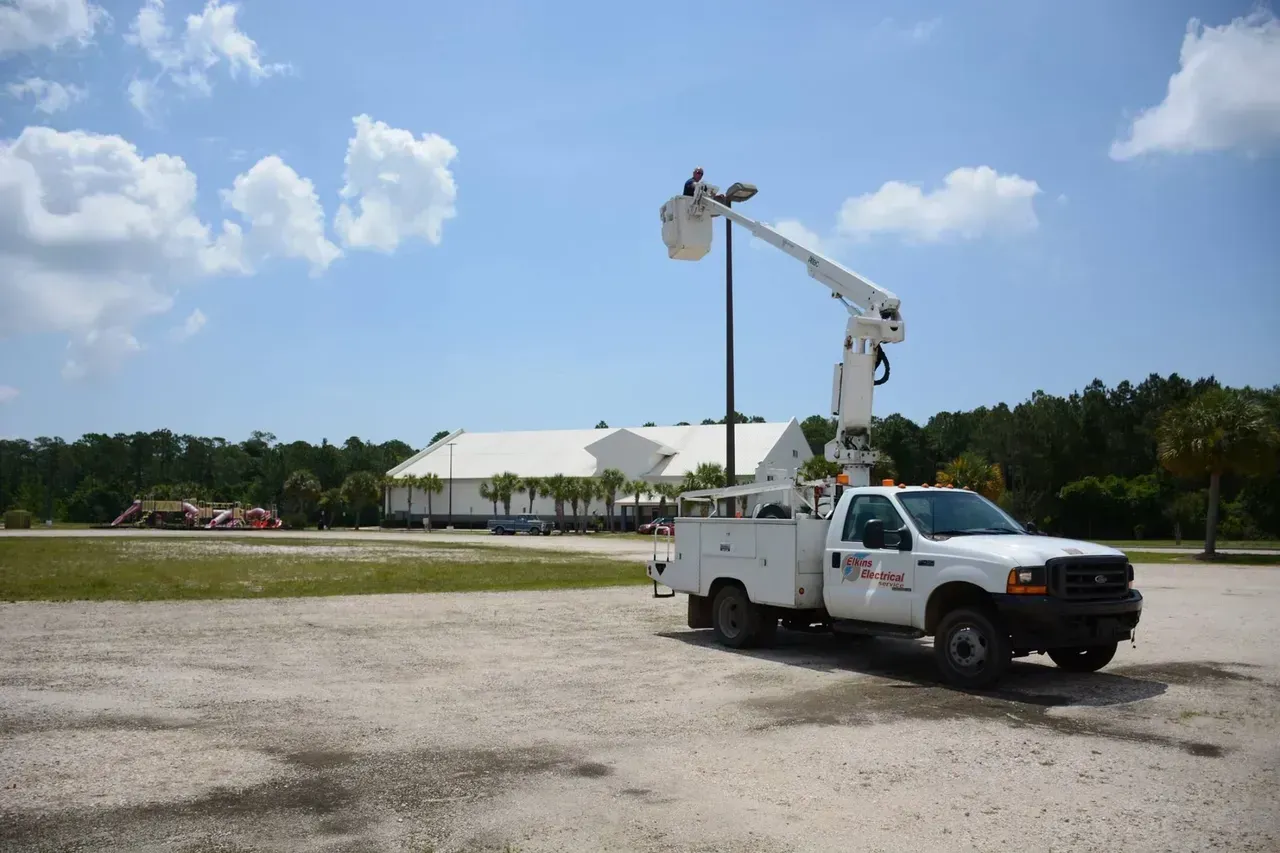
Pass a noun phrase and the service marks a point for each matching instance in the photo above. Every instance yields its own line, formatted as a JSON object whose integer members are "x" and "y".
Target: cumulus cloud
{"x": 99, "y": 352}
{"x": 28, "y": 25}
{"x": 8, "y": 394}
{"x": 96, "y": 238}
{"x": 209, "y": 39}
{"x": 189, "y": 328}
{"x": 972, "y": 202}
{"x": 284, "y": 213}
{"x": 796, "y": 232}
{"x": 50, "y": 97}
{"x": 1225, "y": 94}
{"x": 396, "y": 187}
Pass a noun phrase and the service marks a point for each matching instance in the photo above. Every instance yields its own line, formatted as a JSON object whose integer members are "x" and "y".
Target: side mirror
{"x": 904, "y": 538}
{"x": 873, "y": 534}
{"x": 1031, "y": 528}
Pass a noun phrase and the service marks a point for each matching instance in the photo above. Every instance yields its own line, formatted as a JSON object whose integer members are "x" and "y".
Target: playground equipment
{"x": 152, "y": 512}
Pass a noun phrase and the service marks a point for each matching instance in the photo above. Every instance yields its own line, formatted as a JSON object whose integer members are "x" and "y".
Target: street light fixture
{"x": 736, "y": 192}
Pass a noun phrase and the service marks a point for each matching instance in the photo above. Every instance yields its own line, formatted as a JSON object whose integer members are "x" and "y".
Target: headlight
{"x": 1026, "y": 581}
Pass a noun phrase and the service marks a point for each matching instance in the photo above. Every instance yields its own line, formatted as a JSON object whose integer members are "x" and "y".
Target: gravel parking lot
{"x": 594, "y": 721}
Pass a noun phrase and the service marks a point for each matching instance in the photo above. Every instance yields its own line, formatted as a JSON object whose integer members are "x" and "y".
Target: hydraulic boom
{"x": 874, "y": 319}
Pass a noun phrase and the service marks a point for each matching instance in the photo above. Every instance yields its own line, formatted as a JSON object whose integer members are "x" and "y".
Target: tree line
{"x": 1161, "y": 457}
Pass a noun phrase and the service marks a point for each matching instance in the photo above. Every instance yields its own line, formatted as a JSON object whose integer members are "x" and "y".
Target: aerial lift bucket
{"x": 688, "y": 237}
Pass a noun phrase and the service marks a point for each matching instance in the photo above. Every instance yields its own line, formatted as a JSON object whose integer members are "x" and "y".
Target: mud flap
{"x": 656, "y": 594}
{"x": 699, "y": 611}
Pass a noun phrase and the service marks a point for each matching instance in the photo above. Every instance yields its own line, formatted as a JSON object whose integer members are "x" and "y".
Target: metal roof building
{"x": 464, "y": 460}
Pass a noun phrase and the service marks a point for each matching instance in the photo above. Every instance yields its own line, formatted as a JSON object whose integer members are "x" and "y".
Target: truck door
{"x": 860, "y": 583}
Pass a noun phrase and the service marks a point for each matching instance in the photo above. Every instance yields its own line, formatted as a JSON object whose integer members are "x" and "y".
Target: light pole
{"x": 736, "y": 192}
{"x": 450, "y": 524}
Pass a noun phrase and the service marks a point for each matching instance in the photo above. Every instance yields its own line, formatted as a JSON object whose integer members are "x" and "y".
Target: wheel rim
{"x": 730, "y": 615}
{"x": 967, "y": 649}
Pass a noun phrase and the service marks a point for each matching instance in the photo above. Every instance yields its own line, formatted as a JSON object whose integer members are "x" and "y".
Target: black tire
{"x": 971, "y": 648}
{"x": 498, "y": 531}
{"x": 774, "y": 511}
{"x": 735, "y": 621}
{"x": 1084, "y": 658}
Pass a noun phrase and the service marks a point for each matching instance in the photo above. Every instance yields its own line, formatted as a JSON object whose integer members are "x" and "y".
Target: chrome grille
{"x": 1088, "y": 578}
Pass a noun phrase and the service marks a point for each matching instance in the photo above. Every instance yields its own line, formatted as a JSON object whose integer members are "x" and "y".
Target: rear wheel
{"x": 971, "y": 649}
{"x": 1084, "y": 658}
{"x": 498, "y": 531}
{"x": 734, "y": 619}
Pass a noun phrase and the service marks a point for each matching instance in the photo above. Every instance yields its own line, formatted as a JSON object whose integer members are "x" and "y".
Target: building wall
{"x": 470, "y": 509}
{"x": 787, "y": 455}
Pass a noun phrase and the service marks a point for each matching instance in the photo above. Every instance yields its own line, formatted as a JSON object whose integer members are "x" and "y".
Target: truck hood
{"x": 1020, "y": 550}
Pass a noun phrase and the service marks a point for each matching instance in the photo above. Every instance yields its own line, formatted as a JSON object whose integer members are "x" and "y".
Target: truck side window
{"x": 862, "y": 509}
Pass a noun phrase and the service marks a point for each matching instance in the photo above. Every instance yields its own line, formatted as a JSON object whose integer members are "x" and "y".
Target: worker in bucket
{"x": 697, "y": 177}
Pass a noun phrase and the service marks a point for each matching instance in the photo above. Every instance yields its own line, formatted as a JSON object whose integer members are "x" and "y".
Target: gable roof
{"x": 664, "y": 451}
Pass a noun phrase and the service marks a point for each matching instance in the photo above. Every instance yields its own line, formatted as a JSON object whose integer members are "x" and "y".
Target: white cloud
{"x": 284, "y": 212}
{"x": 971, "y": 203}
{"x": 8, "y": 394}
{"x": 190, "y": 327}
{"x": 208, "y": 40}
{"x": 920, "y": 31}
{"x": 796, "y": 232}
{"x": 95, "y": 238}
{"x": 143, "y": 95}
{"x": 1225, "y": 94}
{"x": 28, "y": 25}
{"x": 400, "y": 186}
{"x": 50, "y": 97}
{"x": 99, "y": 352}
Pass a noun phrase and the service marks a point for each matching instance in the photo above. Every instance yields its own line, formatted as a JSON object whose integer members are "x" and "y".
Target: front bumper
{"x": 1039, "y": 622}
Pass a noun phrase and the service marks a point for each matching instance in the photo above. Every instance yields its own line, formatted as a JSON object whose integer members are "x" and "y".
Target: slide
{"x": 133, "y": 508}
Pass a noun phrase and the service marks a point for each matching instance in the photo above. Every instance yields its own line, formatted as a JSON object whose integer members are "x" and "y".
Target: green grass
{"x": 1243, "y": 544}
{"x": 1220, "y": 559}
{"x": 147, "y": 569}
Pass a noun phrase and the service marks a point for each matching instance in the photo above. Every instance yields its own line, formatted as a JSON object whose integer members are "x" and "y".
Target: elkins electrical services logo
{"x": 855, "y": 563}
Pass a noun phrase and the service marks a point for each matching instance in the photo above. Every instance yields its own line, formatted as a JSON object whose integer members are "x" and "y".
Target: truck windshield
{"x": 945, "y": 513}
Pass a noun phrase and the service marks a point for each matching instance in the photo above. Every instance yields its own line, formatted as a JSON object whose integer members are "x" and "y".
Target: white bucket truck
{"x": 888, "y": 560}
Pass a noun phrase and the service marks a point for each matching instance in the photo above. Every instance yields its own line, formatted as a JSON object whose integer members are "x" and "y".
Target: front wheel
{"x": 971, "y": 649}
{"x": 1084, "y": 658}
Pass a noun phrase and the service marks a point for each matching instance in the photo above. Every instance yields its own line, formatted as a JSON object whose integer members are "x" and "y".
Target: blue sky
{"x": 1097, "y": 248}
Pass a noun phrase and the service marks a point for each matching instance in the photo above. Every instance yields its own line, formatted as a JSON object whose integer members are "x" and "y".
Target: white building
{"x": 465, "y": 460}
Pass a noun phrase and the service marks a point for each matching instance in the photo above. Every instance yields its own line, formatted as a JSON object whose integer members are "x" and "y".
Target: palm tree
{"x": 818, "y": 468}
{"x": 488, "y": 492}
{"x": 303, "y": 488}
{"x": 1220, "y": 432}
{"x": 359, "y": 491}
{"x": 586, "y": 489}
{"x": 558, "y": 487}
{"x": 611, "y": 480}
{"x": 532, "y": 486}
{"x": 432, "y": 485}
{"x": 636, "y": 488}
{"x": 505, "y": 485}
{"x": 972, "y": 471}
{"x": 407, "y": 481}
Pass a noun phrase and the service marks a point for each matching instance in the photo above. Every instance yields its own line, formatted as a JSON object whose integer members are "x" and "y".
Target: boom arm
{"x": 874, "y": 320}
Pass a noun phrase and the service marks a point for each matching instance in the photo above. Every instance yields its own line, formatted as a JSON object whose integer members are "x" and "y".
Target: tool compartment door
{"x": 761, "y": 553}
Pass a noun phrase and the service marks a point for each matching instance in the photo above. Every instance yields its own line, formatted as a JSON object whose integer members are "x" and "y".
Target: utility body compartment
{"x": 779, "y": 561}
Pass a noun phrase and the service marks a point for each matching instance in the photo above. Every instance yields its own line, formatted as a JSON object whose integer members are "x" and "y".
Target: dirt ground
{"x": 595, "y": 721}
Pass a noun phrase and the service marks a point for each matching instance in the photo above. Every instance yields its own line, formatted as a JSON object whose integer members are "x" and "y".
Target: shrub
{"x": 295, "y": 521}
{"x": 17, "y": 519}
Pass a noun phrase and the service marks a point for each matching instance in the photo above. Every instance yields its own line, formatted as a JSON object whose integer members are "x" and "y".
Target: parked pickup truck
{"x": 907, "y": 562}
{"x": 511, "y": 524}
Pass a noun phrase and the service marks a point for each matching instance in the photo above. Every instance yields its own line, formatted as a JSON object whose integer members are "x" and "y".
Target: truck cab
{"x": 908, "y": 562}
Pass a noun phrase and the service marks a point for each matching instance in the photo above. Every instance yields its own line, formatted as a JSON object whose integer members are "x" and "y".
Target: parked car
{"x": 663, "y": 526}
{"x": 512, "y": 524}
